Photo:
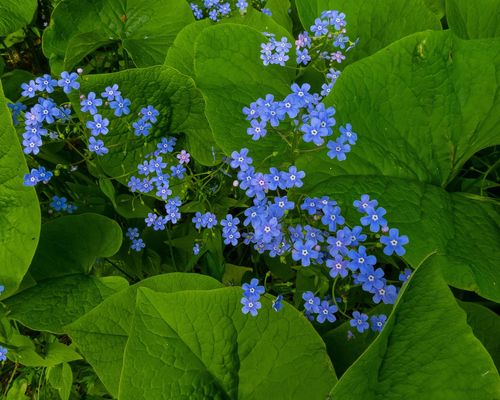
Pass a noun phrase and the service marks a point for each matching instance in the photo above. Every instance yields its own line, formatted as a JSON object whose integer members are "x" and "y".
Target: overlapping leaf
{"x": 422, "y": 107}
{"x": 426, "y": 350}
{"x": 144, "y": 29}
{"x": 474, "y": 20}
{"x": 19, "y": 209}
{"x": 198, "y": 344}
{"x": 54, "y": 303}
{"x": 101, "y": 335}
{"x": 376, "y": 23}
{"x": 14, "y": 14}
{"x": 71, "y": 244}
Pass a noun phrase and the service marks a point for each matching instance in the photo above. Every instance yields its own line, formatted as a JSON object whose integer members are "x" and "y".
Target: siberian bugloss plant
{"x": 249, "y": 199}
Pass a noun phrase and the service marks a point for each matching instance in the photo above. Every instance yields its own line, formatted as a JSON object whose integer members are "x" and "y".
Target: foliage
{"x": 249, "y": 199}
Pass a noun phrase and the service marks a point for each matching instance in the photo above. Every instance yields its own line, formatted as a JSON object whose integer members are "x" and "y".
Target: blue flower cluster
{"x": 275, "y": 51}
{"x": 316, "y": 120}
{"x": 322, "y": 308}
{"x": 61, "y": 204}
{"x": 218, "y": 9}
{"x": 37, "y": 175}
{"x": 137, "y": 242}
{"x": 251, "y": 296}
{"x": 325, "y": 40}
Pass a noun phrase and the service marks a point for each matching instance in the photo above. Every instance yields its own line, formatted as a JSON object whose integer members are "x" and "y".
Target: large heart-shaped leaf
{"x": 425, "y": 351}
{"x": 71, "y": 244}
{"x": 144, "y": 29}
{"x": 477, "y": 20}
{"x": 19, "y": 209}
{"x": 181, "y": 108}
{"x": 14, "y": 14}
{"x": 182, "y": 52}
{"x": 101, "y": 335}
{"x": 198, "y": 344}
{"x": 375, "y": 23}
{"x": 421, "y": 113}
{"x": 39, "y": 307}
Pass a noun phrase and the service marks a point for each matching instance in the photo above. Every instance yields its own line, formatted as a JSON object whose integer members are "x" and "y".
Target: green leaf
{"x": 15, "y": 14}
{"x": 22, "y": 350}
{"x": 39, "y": 308}
{"x": 145, "y": 30}
{"x": 486, "y": 327}
{"x": 19, "y": 209}
{"x": 477, "y": 20}
{"x": 182, "y": 52}
{"x": 198, "y": 344}
{"x": 181, "y": 108}
{"x": 71, "y": 244}
{"x": 60, "y": 378}
{"x": 231, "y": 76}
{"x": 280, "y": 12}
{"x": 425, "y": 351}
{"x": 436, "y": 6}
{"x": 422, "y": 107}
{"x": 376, "y": 23}
{"x": 101, "y": 335}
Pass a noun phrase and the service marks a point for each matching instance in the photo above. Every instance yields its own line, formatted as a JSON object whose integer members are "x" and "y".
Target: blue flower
{"x": 277, "y": 303}
{"x": 365, "y": 204}
{"x": 378, "y": 322}
{"x": 178, "y": 171}
{"x": 242, "y": 5}
{"x": 314, "y": 132}
{"x": 319, "y": 27}
{"x": 293, "y": 178}
{"x": 303, "y": 56}
{"x": 68, "y": 81}
{"x": 332, "y": 217}
{"x": 266, "y": 11}
{"x": 36, "y": 176}
{"x": 91, "y": 103}
{"x": 360, "y": 260}
{"x": 59, "y": 203}
{"x": 355, "y": 235}
{"x": 230, "y": 222}
{"x": 97, "y": 146}
{"x": 240, "y": 160}
{"x": 359, "y": 321}
{"x": 3, "y": 353}
{"x": 31, "y": 144}
{"x": 196, "y": 249}
{"x": 326, "y": 312}
{"x": 111, "y": 92}
{"x": 166, "y": 145}
{"x": 163, "y": 191}
{"x": 338, "y": 149}
{"x": 230, "y": 236}
{"x": 311, "y": 302}
{"x": 405, "y": 275}
{"x": 257, "y": 129}
{"x": 250, "y": 306}
{"x": 137, "y": 244}
{"x": 370, "y": 279}
{"x": 347, "y": 135}
{"x": 304, "y": 252}
{"x": 387, "y": 295}
{"x": 120, "y": 105}
{"x": 210, "y": 220}
{"x": 394, "y": 243}
{"x": 253, "y": 290}
{"x": 29, "y": 89}
{"x": 46, "y": 83}
{"x": 338, "y": 266}
{"x": 150, "y": 113}
{"x": 141, "y": 127}
{"x": 375, "y": 219}
{"x": 99, "y": 126}
{"x": 132, "y": 233}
